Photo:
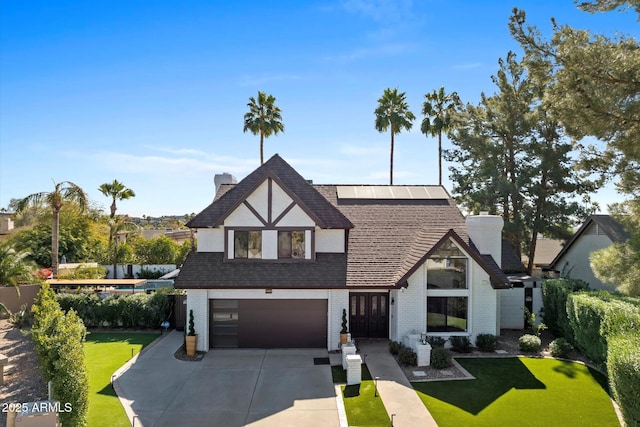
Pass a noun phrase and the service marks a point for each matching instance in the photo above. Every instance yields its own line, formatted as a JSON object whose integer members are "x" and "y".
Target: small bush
{"x": 407, "y": 357}
{"x": 395, "y": 347}
{"x": 146, "y": 273}
{"x": 487, "y": 342}
{"x": 436, "y": 341}
{"x": 560, "y": 347}
{"x": 21, "y": 318}
{"x": 623, "y": 366}
{"x": 440, "y": 358}
{"x": 460, "y": 344}
{"x": 529, "y": 343}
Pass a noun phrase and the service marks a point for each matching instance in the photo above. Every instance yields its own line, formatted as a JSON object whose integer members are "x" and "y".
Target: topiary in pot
{"x": 344, "y": 331}
{"x": 191, "y": 340}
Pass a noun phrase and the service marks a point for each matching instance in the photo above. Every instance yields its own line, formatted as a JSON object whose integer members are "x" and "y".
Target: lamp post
{"x": 392, "y": 415}
{"x": 375, "y": 391}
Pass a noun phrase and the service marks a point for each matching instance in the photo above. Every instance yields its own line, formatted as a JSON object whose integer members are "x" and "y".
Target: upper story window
{"x": 447, "y": 268}
{"x": 291, "y": 244}
{"x": 247, "y": 244}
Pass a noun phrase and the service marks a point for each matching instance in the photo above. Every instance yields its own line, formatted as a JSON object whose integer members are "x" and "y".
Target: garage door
{"x": 282, "y": 323}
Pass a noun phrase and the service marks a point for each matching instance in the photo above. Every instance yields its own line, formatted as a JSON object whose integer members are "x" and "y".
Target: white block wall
{"x": 198, "y": 302}
{"x": 483, "y": 305}
{"x": 511, "y": 303}
{"x": 410, "y": 307}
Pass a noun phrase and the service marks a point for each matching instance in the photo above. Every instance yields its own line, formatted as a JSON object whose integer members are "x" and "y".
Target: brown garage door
{"x": 269, "y": 323}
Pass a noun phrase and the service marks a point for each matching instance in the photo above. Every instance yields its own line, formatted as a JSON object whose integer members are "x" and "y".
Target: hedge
{"x": 127, "y": 311}
{"x": 595, "y": 316}
{"x": 623, "y": 366}
{"x": 58, "y": 341}
{"x": 554, "y": 300}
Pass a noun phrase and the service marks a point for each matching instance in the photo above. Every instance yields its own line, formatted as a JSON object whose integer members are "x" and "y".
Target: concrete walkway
{"x": 230, "y": 388}
{"x": 398, "y": 396}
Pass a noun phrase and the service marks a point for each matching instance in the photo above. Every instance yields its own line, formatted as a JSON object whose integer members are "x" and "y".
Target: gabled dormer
{"x": 272, "y": 214}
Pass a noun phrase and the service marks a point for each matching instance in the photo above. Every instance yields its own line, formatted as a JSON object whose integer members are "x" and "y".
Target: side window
{"x": 291, "y": 244}
{"x": 247, "y": 244}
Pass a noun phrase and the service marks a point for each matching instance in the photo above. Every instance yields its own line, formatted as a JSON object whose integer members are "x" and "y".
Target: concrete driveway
{"x": 230, "y": 388}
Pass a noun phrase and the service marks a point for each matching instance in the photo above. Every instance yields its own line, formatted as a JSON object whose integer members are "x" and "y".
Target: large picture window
{"x": 291, "y": 244}
{"x": 447, "y": 314}
{"x": 447, "y": 268}
{"x": 247, "y": 244}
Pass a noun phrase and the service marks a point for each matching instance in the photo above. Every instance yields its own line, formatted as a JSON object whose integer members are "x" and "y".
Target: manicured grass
{"x": 105, "y": 353}
{"x": 520, "y": 391}
{"x": 363, "y": 408}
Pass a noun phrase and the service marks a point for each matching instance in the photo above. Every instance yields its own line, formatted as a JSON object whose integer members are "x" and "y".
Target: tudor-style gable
{"x": 272, "y": 214}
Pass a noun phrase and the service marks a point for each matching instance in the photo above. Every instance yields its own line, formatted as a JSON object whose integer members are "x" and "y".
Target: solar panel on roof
{"x": 388, "y": 192}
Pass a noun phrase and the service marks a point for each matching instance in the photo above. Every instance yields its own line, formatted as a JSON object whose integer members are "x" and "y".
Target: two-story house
{"x": 278, "y": 259}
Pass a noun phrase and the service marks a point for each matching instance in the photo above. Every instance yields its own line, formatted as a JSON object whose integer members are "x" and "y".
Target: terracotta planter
{"x": 343, "y": 338}
{"x": 190, "y": 344}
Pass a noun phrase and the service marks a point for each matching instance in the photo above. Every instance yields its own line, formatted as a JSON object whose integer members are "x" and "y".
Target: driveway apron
{"x": 229, "y": 387}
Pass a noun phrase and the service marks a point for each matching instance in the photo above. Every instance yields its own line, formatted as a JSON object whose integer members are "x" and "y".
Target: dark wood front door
{"x": 369, "y": 315}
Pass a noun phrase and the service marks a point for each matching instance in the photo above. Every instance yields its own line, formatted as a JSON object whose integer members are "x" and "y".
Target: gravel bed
{"x": 22, "y": 379}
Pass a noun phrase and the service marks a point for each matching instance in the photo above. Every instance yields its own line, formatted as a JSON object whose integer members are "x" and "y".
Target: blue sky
{"x": 153, "y": 93}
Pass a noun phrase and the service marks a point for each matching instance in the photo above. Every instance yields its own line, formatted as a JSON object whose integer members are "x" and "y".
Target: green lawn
{"x": 520, "y": 391}
{"x": 105, "y": 353}
{"x": 363, "y": 408}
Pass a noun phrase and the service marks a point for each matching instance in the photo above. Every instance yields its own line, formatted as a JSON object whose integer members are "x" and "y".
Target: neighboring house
{"x": 278, "y": 259}
{"x": 546, "y": 251}
{"x": 597, "y": 232}
{"x": 6, "y": 222}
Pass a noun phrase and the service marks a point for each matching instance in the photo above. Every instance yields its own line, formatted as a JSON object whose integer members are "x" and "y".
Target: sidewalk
{"x": 398, "y": 396}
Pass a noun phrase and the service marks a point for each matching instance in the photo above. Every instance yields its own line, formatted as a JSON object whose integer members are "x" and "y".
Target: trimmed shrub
{"x": 440, "y": 358}
{"x": 487, "y": 342}
{"x": 623, "y": 367}
{"x": 554, "y": 300}
{"x": 560, "y": 347}
{"x": 436, "y": 341}
{"x": 58, "y": 341}
{"x": 529, "y": 343}
{"x": 129, "y": 311}
{"x": 407, "y": 357}
{"x": 395, "y": 347}
{"x": 460, "y": 344}
{"x": 594, "y": 316}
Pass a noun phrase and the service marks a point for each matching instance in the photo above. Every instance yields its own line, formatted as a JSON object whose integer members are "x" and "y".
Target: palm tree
{"x": 117, "y": 191}
{"x": 438, "y": 110}
{"x": 15, "y": 268}
{"x": 63, "y": 192}
{"x": 393, "y": 112}
{"x": 263, "y": 119}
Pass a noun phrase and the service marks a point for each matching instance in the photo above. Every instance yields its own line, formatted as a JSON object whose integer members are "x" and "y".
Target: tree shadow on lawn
{"x": 492, "y": 381}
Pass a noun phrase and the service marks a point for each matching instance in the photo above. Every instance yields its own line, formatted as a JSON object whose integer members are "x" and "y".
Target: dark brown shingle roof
{"x": 316, "y": 206}
{"x": 208, "y": 270}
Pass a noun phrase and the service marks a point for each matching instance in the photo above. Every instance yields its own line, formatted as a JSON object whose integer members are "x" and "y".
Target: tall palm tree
{"x": 63, "y": 192}
{"x": 438, "y": 110}
{"x": 263, "y": 119}
{"x": 117, "y": 191}
{"x": 393, "y": 113}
